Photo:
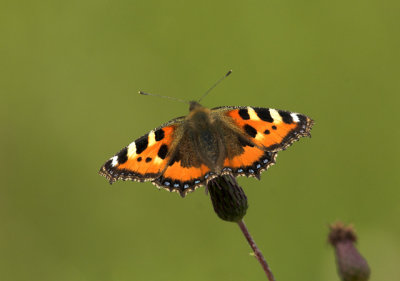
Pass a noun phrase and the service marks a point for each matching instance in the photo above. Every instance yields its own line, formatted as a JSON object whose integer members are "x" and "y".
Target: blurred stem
{"x": 256, "y": 251}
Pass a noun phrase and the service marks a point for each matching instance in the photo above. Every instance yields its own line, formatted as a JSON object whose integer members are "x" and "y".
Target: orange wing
{"x": 263, "y": 132}
{"x": 270, "y": 129}
{"x": 164, "y": 156}
{"x": 143, "y": 159}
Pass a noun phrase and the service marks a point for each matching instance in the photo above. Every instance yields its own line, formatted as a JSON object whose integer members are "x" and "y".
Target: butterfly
{"x": 189, "y": 151}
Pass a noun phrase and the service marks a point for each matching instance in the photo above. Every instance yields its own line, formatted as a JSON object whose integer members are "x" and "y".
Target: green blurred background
{"x": 70, "y": 72}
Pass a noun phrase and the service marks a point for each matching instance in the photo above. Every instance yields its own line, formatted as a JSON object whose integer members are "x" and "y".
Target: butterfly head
{"x": 194, "y": 105}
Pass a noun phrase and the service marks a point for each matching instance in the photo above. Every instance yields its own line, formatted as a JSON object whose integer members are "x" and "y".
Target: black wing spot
{"x": 141, "y": 144}
{"x": 139, "y": 159}
{"x": 123, "y": 156}
{"x": 286, "y": 117}
{"x": 250, "y": 131}
{"x": 267, "y": 132}
{"x": 159, "y": 134}
{"x": 274, "y": 127}
{"x": 148, "y": 159}
{"x": 263, "y": 114}
{"x": 244, "y": 113}
{"x": 162, "y": 152}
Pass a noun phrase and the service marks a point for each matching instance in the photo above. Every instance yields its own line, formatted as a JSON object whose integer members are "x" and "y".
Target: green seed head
{"x": 228, "y": 198}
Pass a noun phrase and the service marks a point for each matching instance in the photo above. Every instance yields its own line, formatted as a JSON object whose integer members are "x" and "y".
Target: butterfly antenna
{"x": 166, "y": 97}
{"x": 216, "y": 83}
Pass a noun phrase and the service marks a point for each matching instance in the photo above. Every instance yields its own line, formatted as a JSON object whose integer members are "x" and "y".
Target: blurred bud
{"x": 351, "y": 265}
{"x": 228, "y": 198}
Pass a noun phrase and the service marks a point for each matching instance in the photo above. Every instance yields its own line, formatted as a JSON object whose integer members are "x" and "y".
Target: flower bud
{"x": 351, "y": 265}
{"x": 228, "y": 198}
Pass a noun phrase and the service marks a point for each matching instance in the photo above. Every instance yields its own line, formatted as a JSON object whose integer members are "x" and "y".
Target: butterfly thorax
{"x": 202, "y": 129}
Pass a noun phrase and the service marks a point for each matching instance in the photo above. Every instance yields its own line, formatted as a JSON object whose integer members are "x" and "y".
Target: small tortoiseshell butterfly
{"x": 187, "y": 152}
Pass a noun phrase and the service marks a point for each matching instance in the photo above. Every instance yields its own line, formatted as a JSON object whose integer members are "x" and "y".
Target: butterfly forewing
{"x": 267, "y": 128}
{"x": 144, "y": 159}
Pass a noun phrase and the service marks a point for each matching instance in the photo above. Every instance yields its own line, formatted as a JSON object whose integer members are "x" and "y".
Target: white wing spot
{"x": 151, "y": 139}
{"x": 253, "y": 115}
{"x": 275, "y": 115}
{"x": 295, "y": 117}
{"x": 114, "y": 161}
{"x": 132, "y": 150}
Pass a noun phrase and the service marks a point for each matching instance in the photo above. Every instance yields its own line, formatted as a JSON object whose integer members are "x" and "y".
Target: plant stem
{"x": 257, "y": 252}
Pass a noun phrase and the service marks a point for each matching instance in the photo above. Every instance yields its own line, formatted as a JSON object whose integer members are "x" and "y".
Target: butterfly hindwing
{"x": 185, "y": 170}
{"x": 250, "y": 163}
{"x": 145, "y": 158}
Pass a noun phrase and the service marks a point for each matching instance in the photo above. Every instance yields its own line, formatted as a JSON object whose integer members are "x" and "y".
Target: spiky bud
{"x": 351, "y": 265}
{"x": 228, "y": 198}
